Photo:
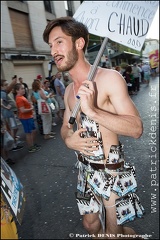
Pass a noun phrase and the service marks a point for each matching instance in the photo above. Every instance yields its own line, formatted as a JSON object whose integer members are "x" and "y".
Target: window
{"x": 21, "y": 29}
{"x": 47, "y": 5}
{"x": 68, "y": 7}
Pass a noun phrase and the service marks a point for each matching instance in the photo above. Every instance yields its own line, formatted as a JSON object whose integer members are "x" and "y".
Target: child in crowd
{"x": 25, "y": 115}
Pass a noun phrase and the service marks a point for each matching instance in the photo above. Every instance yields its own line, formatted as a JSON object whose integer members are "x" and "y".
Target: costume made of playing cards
{"x": 97, "y": 180}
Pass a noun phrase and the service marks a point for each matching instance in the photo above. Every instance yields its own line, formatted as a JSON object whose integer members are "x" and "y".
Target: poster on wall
{"x": 154, "y": 58}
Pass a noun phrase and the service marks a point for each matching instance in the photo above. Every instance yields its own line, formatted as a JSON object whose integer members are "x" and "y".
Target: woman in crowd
{"x": 47, "y": 89}
{"x": 38, "y": 116}
{"x": 38, "y": 93}
{"x": 129, "y": 79}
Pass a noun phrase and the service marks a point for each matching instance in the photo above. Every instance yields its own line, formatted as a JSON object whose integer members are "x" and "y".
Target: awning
{"x": 124, "y": 55}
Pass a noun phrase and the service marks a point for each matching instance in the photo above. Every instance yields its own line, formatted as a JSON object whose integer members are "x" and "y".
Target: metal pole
{"x": 90, "y": 78}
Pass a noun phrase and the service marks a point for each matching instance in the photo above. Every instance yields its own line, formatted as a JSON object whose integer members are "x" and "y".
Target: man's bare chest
{"x": 101, "y": 101}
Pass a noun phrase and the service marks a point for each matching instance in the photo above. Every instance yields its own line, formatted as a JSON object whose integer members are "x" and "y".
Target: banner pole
{"x": 90, "y": 78}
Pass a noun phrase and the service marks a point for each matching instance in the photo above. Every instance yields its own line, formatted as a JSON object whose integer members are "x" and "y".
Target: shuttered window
{"x": 21, "y": 29}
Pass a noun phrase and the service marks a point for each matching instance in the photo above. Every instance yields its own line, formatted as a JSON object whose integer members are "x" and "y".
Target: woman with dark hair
{"x": 129, "y": 80}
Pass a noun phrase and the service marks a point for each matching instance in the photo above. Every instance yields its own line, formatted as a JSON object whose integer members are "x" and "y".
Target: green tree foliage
{"x": 123, "y": 65}
{"x": 113, "y": 45}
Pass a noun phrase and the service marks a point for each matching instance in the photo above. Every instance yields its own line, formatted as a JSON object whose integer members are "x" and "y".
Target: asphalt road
{"x": 49, "y": 177}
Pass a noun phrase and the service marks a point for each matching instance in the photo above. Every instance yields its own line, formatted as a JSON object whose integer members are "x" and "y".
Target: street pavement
{"x": 49, "y": 177}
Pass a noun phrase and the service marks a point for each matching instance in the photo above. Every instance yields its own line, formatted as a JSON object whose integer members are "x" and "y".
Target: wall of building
{"x": 30, "y": 58}
{"x": 38, "y": 23}
{"x": 7, "y": 37}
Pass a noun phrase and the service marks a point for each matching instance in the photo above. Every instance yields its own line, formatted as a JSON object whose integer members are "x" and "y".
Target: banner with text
{"x": 124, "y": 22}
{"x": 12, "y": 190}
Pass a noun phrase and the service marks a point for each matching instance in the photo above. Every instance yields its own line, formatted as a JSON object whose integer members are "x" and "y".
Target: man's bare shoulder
{"x": 69, "y": 87}
{"x": 68, "y": 90}
{"x": 109, "y": 77}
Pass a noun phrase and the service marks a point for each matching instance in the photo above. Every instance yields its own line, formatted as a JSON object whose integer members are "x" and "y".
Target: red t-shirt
{"x": 21, "y": 101}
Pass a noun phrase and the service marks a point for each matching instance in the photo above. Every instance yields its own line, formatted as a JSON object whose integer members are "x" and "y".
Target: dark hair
{"x": 117, "y": 68}
{"x": 70, "y": 27}
{"x": 16, "y": 87}
{"x": 46, "y": 81}
{"x": 129, "y": 69}
{"x": 104, "y": 65}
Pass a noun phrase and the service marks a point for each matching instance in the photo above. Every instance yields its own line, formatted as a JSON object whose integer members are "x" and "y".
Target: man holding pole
{"x": 106, "y": 183}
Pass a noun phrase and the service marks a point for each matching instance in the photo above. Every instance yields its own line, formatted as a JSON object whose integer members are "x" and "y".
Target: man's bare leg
{"x": 91, "y": 223}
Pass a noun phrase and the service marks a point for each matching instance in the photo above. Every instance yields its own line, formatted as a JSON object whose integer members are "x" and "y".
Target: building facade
{"x": 23, "y": 51}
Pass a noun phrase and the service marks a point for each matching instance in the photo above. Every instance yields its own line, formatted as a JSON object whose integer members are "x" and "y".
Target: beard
{"x": 72, "y": 57}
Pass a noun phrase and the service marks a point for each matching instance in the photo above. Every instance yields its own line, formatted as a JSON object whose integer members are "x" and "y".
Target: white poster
{"x": 124, "y": 22}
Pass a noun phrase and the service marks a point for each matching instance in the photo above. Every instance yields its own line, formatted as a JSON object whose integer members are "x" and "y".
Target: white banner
{"x": 12, "y": 190}
{"x": 124, "y": 22}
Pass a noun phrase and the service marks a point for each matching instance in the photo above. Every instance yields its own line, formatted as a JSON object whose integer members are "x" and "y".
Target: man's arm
{"x": 73, "y": 139}
{"x": 11, "y": 85}
{"x": 123, "y": 117}
{"x": 66, "y": 130}
{"x": 3, "y": 106}
{"x": 43, "y": 96}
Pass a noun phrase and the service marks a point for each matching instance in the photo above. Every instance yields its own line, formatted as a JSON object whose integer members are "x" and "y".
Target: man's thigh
{"x": 111, "y": 216}
{"x": 90, "y": 218}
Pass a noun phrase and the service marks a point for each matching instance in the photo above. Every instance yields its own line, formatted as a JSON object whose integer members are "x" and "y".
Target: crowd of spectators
{"x": 52, "y": 90}
{"x": 20, "y": 107}
{"x": 135, "y": 75}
